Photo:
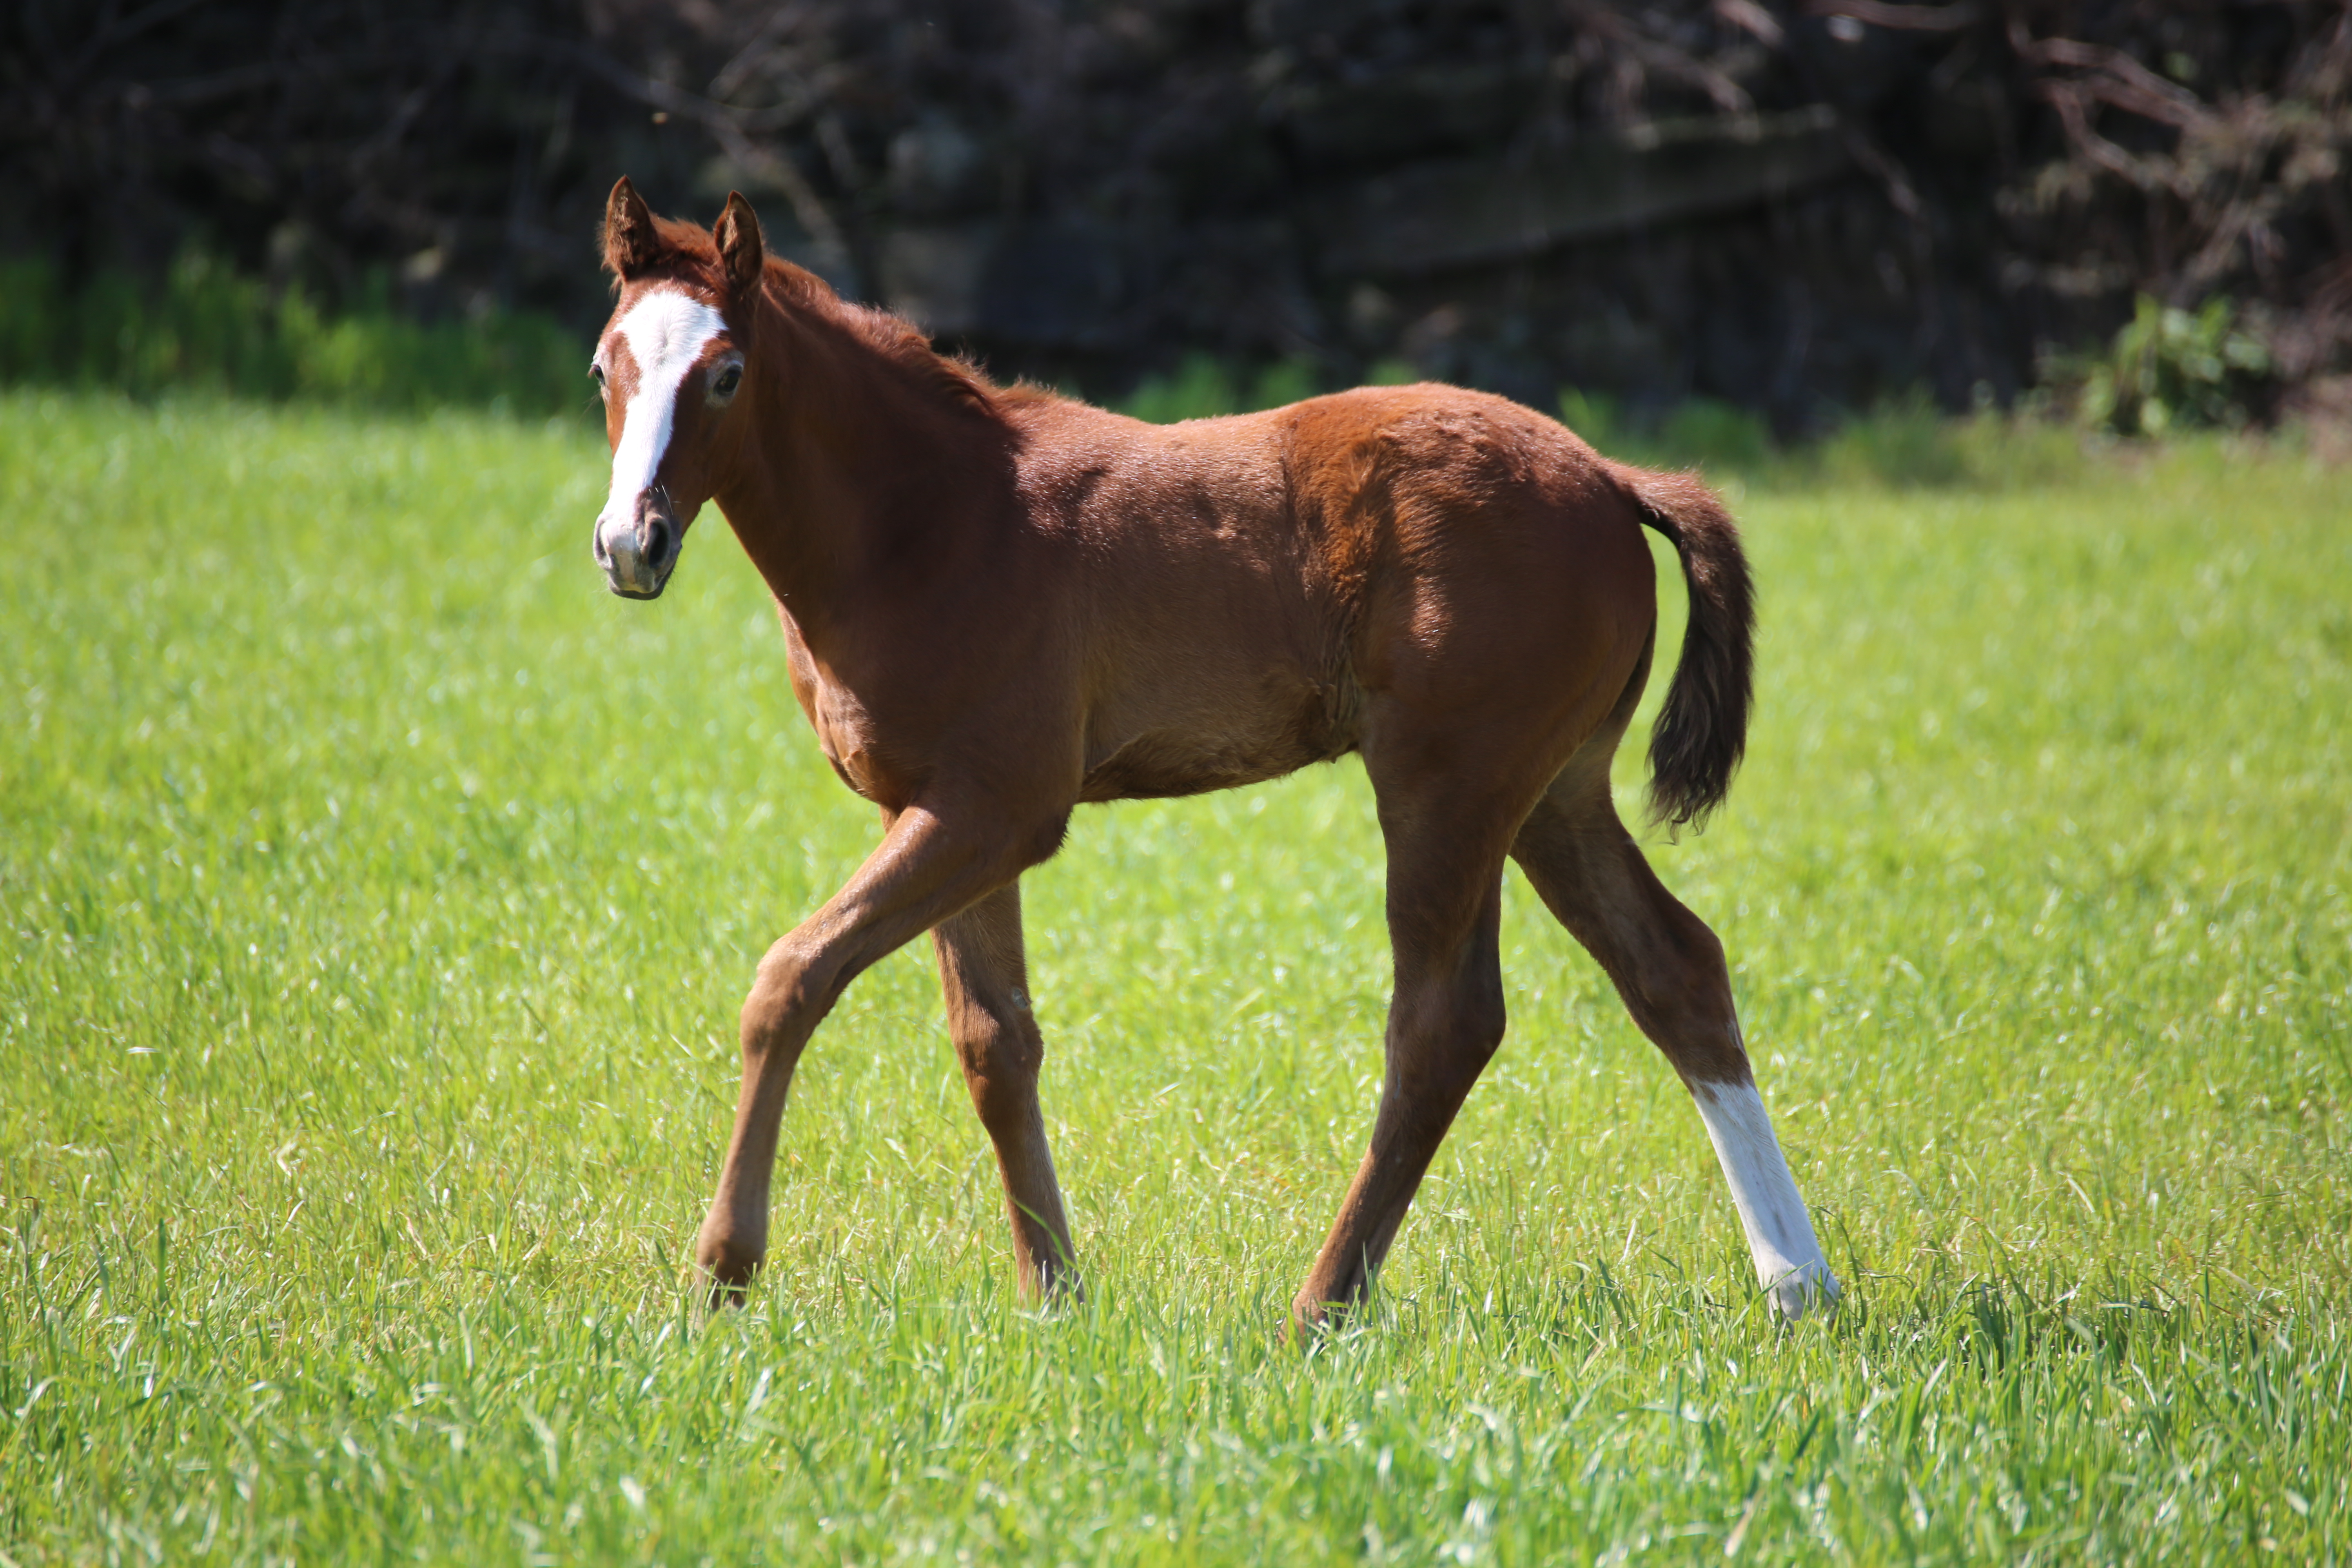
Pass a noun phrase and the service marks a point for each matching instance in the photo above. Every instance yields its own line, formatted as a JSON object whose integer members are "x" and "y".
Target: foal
{"x": 1001, "y": 602}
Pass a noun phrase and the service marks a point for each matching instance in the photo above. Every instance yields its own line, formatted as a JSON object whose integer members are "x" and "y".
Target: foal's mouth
{"x": 635, "y": 584}
{"x": 638, "y": 578}
{"x": 639, "y": 558}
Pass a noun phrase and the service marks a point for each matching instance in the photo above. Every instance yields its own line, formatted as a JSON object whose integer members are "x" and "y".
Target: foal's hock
{"x": 999, "y": 603}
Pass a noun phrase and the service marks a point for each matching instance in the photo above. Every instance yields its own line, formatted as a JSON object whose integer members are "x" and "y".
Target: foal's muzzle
{"x": 637, "y": 552}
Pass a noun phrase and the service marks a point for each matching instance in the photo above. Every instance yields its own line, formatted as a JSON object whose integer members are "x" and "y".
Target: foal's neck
{"x": 866, "y": 460}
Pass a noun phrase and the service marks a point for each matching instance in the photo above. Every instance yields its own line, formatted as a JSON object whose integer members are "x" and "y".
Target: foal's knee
{"x": 786, "y": 991}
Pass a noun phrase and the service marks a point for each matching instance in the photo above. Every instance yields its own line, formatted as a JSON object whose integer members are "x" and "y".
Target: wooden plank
{"x": 1463, "y": 211}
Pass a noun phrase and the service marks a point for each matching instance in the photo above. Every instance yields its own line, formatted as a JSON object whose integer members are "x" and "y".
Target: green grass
{"x": 379, "y": 893}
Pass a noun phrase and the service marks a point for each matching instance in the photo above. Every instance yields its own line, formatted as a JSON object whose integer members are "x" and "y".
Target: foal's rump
{"x": 1489, "y": 564}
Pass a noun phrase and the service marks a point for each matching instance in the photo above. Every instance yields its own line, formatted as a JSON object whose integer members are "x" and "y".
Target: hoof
{"x": 728, "y": 1267}
{"x": 1804, "y": 1291}
{"x": 1058, "y": 1285}
{"x": 1311, "y": 1317}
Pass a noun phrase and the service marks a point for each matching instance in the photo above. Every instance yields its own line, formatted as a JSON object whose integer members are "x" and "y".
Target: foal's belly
{"x": 1220, "y": 739}
{"x": 1155, "y": 766}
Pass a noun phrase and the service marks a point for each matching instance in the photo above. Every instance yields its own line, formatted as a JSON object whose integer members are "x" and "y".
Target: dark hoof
{"x": 1312, "y": 1318}
{"x": 729, "y": 1268}
{"x": 1058, "y": 1285}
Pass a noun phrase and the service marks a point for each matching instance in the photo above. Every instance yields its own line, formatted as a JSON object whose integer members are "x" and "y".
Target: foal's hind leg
{"x": 1669, "y": 968}
{"x": 1445, "y": 1018}
{"x": 985, "y": 981}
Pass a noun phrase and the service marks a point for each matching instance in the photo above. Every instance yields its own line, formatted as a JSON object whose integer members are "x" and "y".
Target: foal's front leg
{"x": 984, "y": 979}
{"x": 926, "y": 870}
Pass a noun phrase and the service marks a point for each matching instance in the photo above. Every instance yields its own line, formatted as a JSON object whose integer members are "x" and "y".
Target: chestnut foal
{"x": 1001, "y": 603}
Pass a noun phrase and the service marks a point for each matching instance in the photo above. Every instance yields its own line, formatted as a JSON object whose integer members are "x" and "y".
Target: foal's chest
{"x": 846, "y": 730}
{"x": 846, "y": 733}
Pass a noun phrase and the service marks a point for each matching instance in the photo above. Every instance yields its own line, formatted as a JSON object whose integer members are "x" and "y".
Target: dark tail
{"x": 1703, "y": 731}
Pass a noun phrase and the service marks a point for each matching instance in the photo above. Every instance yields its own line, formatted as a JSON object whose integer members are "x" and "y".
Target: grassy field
{"x": 379, "y": 893}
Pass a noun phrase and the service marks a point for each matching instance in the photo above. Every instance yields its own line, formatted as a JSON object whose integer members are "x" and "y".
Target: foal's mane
{"x": 693, "y": 254}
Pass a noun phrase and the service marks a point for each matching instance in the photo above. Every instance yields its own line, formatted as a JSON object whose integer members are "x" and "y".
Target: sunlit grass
{"x": 380, "y": 892}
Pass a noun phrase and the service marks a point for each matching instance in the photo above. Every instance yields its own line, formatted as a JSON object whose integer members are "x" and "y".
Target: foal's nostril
{"x": 657, "y": 544}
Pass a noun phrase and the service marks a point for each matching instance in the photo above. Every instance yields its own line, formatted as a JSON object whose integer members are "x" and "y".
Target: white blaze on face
{"x": 1788, "y": 1261}
{"x": 666, "y": 334}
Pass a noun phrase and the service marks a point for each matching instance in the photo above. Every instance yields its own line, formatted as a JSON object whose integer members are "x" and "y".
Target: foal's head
{"x": 671, "y": 368}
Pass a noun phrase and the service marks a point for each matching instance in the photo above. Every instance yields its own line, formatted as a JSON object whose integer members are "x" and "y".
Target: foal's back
{"x": 1251, "y": 590}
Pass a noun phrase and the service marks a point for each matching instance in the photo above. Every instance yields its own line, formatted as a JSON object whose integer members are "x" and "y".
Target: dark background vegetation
{"x": 1801, "y": 208}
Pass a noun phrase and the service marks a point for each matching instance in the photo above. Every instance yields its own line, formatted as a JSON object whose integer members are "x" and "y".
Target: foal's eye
{"x": 596, "y": 375}
{"x": 729, "y": 380}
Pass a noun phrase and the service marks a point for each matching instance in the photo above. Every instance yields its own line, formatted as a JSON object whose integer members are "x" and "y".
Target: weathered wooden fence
{"x": 1795, "y": 207}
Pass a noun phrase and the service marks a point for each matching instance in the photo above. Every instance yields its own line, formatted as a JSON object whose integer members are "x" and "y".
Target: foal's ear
{"x": 631, "y": 244}
{"x": 741, "y": 253}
